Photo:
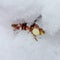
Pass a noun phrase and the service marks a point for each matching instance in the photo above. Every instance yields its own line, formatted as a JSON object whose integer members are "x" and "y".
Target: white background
{"x": 22, "y": 46}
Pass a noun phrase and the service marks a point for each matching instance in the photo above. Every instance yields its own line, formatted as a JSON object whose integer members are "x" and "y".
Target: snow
{"x": 51, "y": 16}
{"x": 22, "y": 45}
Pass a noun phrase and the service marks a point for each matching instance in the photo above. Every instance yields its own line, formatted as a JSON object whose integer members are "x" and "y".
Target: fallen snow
{"x": 51, "y": 16}
{"x": 22, "y": 45}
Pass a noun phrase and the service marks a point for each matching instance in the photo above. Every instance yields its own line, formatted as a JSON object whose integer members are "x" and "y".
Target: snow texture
{"x": 22, "y": 45}
{"x": 51, "y": 16}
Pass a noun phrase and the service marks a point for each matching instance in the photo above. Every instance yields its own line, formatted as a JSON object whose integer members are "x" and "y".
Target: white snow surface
{"x": 51, "y": 15}
{"x": 22, "y": 45}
